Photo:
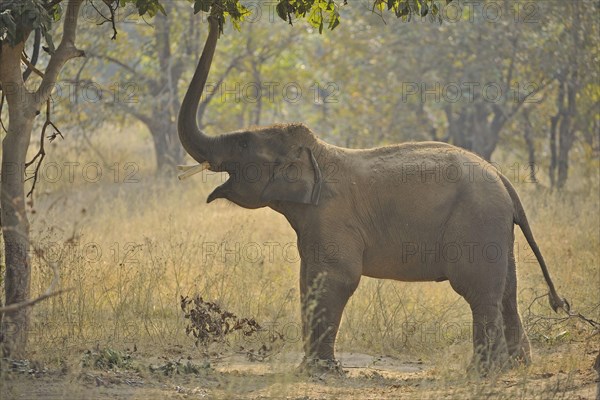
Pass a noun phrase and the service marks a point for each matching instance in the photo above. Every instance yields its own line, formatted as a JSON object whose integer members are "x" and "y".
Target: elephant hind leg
{"x": 516, "y": 338}
{"x": 489, "y": 344}
{"x": 484, "y": 296}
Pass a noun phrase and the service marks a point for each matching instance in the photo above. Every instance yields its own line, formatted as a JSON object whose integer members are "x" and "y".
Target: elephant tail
{"x": 520, "y": 219}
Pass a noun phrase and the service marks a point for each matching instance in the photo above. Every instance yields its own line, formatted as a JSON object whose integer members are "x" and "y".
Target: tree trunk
{"x": 553, "y": 157}
{"x": 567, "y": 136}
{"x": 160, "y": 148}
{"x": 457, "y": 127}
{"x": 23, "y": 106}
{"x": 561, "y": 123}
{"x": 15, "y": 226}
{"x": 530, "y": 146}
{"x": 15, "y": 230}
{"x": 567, "y": 139}
{"x": 162, "y": 123}
{"x": 167, "y": 149}
{"x": 567, "y": 100}
{"x": 472, "y": 131}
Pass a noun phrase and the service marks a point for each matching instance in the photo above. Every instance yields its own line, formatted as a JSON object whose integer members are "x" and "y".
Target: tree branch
{"x": 114, "y": 61}
{"x": 132, "y": 111}
{"x": 17, "y": 306}
{"x": 31, "y": 68}
{"x": 110, "y": 20}
{"x": 65, "y": 51}
{"x": 150, "y": 82}
{"x": 42, "y": 152}
{"x": 511, "y": 67}
{"x": 201, "y": 110}
{"x": 34, "y": 55}
{"x": 520, "y": 101}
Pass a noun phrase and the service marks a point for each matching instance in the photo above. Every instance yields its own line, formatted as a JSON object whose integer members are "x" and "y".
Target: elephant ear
{"x": 298, "y": 180}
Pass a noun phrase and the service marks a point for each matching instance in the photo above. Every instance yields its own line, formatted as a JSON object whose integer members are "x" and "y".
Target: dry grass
{"x": 129, "y": 250}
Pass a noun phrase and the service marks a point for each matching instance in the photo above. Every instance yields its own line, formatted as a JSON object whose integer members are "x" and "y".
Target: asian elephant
{"x": 411, "y": 212}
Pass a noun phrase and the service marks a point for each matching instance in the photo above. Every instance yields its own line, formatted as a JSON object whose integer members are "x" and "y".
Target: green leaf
{"x": 282, "y": 10}
{"x": 202, "y": 5}
{"x": 334, "y": 21}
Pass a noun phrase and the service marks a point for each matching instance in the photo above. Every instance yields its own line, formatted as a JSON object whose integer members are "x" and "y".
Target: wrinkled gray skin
{"x": 411, "y": 212}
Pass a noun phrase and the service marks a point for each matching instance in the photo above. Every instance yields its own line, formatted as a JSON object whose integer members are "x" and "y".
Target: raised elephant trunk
{"x": 194, "y": 141}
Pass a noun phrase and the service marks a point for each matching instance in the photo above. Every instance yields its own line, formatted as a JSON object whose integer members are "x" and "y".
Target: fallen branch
{"x": 569, "y": 315}
{"x": 593, "y": 323}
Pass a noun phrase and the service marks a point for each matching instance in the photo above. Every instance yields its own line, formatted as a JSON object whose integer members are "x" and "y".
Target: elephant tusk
{"x": 190, "y": 170}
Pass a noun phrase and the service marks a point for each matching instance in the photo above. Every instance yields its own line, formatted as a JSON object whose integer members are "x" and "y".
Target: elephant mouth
{"x": 222, "y": 190}
{"x": 232, "y": 188}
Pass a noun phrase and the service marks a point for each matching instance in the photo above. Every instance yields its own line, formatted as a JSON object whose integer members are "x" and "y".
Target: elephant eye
{"x": 243, "y": 144}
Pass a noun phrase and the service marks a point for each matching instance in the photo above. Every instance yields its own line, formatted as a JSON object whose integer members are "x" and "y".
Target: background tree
{"x": 575, "y": 77}
{"x": 146, "y": 81}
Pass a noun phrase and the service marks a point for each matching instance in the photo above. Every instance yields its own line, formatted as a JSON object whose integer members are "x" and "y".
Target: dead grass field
{"x": 130, "y": 245}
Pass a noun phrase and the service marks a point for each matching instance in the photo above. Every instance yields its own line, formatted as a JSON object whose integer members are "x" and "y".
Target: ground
{"x": 234, "y": 376}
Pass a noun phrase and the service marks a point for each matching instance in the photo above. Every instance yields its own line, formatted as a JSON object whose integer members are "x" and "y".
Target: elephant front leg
{"x": 325, "y": 290}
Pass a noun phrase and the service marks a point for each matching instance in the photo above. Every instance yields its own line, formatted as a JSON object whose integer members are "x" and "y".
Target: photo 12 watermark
{"x": 470, "y": 92}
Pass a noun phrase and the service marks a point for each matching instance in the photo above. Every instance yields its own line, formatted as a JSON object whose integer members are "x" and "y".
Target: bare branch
{"x": 17, "y": 306}
{"x": 570, "y": 315}
{"x": 110, "y": 20}
{"x": 41, "y": 152}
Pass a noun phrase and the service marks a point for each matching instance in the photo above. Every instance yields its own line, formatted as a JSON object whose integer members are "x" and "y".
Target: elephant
{"x": 415, "y": 212}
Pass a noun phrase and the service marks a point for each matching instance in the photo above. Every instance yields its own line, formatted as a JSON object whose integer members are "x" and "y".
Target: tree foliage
{"x": 19, "y": 17}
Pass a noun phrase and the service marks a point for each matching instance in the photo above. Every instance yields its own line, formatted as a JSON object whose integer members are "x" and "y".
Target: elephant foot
{"x": 317, "y": 367}
{"x": 483, "y": 368}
